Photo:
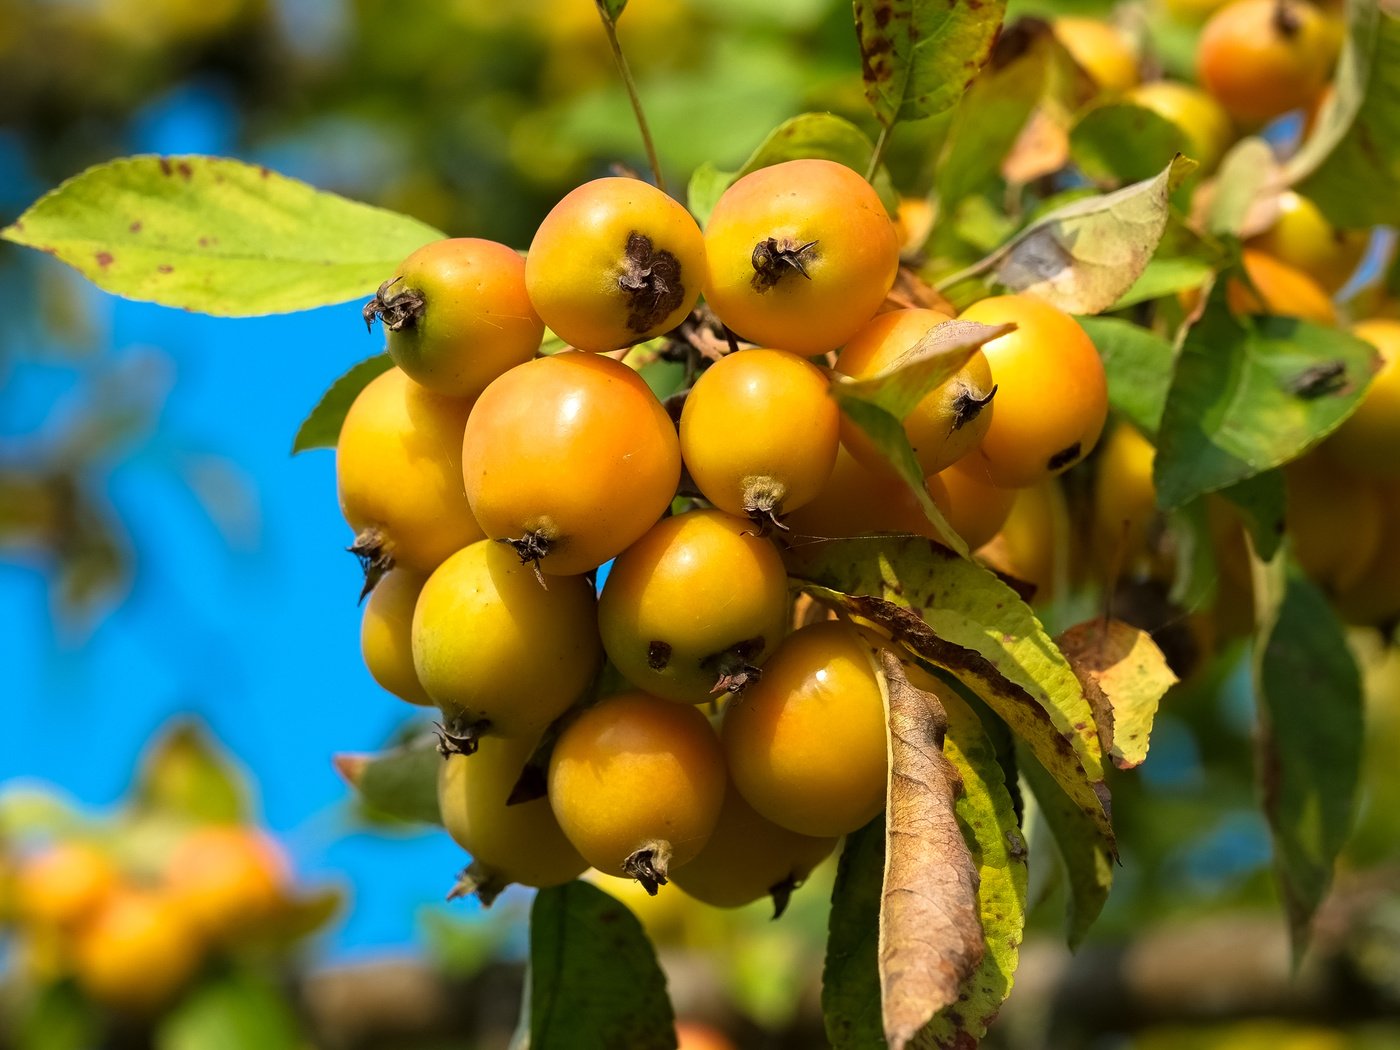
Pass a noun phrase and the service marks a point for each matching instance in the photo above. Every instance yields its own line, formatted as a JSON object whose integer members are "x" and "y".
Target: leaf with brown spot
{"x": 958, "y": 616}
{"x": 930, "y": 934}
{"x": 918, "y": 56}
{"x": 1124, "y": 676}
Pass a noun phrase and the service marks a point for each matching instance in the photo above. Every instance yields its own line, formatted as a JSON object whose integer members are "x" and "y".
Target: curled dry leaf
{"x": 930, "y": 933}
{"x": 1124, "y": 676}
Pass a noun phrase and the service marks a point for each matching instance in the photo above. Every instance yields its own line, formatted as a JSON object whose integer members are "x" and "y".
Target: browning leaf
{"x": 1124, "y": 676}
{"x": 930, "y": 933}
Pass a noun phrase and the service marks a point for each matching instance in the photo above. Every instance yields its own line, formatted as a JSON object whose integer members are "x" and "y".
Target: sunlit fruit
{"x": 759, "y": 432}
{"x": 799, "y": 255}
{"x": 137, "y": 952}
{"x": 1262, "y": 58}
{"x": 398, "y": 469}
{"x": 637, "y": 783}
{"x": 1303, "y": 238}
{"x": 63, "y": 885}
{"x": 694, "y": 607}
{"x": 498, "y": 652}
{"x": 1207, "y": 127}
{"x": 456, "y": 315}
{"x": 1368, "y": 441}
{"x": 749, "y": 857}
{"x": 950, "y": 420}
{"x": 1032, "y": 543}
{"x": 386, "y": 635}
{"x": 615, "y": 262}
{"x": 974, "y": 506}
{"x": 858, "y": 501}
{"x": 229, "y": 880}
{"x": 1278, "y": 289}
{"x": 1125, "y": 501}
{"x": 1100, "y": 49}
{"x": 509, "y": 843}
{"x": 806, "y": 743}
{"x": 1052, "y": 397}
{"x": 571, "y": 458}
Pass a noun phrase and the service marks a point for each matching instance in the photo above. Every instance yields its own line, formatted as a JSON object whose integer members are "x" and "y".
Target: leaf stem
{"x": 610, "y": 27}
{"x": 878, "y": 154}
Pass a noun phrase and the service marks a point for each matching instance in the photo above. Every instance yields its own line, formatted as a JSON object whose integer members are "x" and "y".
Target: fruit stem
{"x": 650, "y": 865}
{"x": 610, "y": 28}
{"x": 878, "y": 153}
{"x": 476, "y": 879}
{"x": 372, "y": 551}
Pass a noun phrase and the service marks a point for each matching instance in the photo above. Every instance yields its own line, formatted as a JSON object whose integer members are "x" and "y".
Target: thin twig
{"x": 878, "y": 154}
{"x": 610, "y": 27}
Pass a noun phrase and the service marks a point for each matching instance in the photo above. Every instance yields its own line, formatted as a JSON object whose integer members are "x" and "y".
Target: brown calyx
{"x": 651, "y": 281}
{"x": 458, "y": 736}
{"x": 372, "y": 549}
{"x": 774, "y": 259}
{"x": 532, "y": 548}
{"x": 781, "y": 892}
{"x": 478, "y": 880}
{"x": 733, "y": 667}
{"x": 763, "y": 503}
{"x": 650, "y": 865}
{"x": 967, "y": 406}
{"x": 395, "y": 310}
{"x": 1287, "y": 20}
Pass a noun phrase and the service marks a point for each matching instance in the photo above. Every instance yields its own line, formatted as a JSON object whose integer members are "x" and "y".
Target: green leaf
{"x": 234, "y": 1011}
{"x": 185, "y": 774}
{"x": 878, "y": 403}
{"x": 217, "y": 236}
{"x": 321, "y": 427}
{"x": 957, "y": 616}
{"x": 1121, "y": 142}
{"x": 1086, "y": 859}
{"x": 1310, "y": 712}
{"x": 612, "y": 9}
{"x": 918, "y": 56}
{"x": 1138, "y": 364}
{"x": 1350, "y": 166}
{"x": 823, "y": 136}
{"x": 1246, "y": 173}
{"x": 1250, "y": 394}
{"x": 1164, "y": 276}
{"x": 1260, "y": 501}
{"x": 594, "y": 981}
{"x": 57, "y": 1017}
{"x": 1084, "y": 256}
{"x": 851, "y": 973}
{"x": 400, "y": 784}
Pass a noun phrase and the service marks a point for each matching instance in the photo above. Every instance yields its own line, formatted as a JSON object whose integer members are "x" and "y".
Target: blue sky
{"x": 256, "y": 632}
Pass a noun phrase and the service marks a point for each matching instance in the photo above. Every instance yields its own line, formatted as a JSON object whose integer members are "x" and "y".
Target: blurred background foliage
{"x": 476, "y": 117}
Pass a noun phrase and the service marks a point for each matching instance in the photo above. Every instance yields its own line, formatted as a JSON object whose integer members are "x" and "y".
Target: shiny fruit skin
{"x": 1206, "y": 125}
{"x": 229, "y": 880}
{"x": 518, "y": 843}
{"x": 615, "y": 262}
{"x": 1052, "y": 397}
{"x": 700, "y": 595}
{"x": 1334, "y": 521}
{"x": 806, "y": 743}
{"x": 1279, "y": 289}
{"x": 1262, "y": 58}
{"x": 62, "y": 886}
{"x": 573, "y": 448}
{"x": 950, "y": 420}
{"x": 857, "y": 501}
{"x": 974, "y": 507}
{"x": 1125, "y": 500}
{"x": 1099, "y": 49}
{"x": 749, "y": 857}
{"x": 693, "y": 1035}
{"x": 1302, "y": 238}
{"x": 138, "y": 951}
{"x": 802, "y": 217}
{"x": 491, "y": 644}
{"x": 633, "y": 771}
{"x": 476, "y": 321}
{"x": 399, "y": 470}
{"x": 759, "y": 432}
{"x": 386, "y": 635}
{"x": 1368, "y": 441}
{"x": 1031, "y": 542}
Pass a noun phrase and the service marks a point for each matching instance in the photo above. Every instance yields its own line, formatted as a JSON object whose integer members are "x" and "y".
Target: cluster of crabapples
{"x": 134, "y": 931}
{"x": 487, "y": 484}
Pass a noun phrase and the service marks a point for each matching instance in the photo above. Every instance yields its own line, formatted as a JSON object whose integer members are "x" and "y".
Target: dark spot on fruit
{"x": 104, "y": 259}
{"x": 651, "y": 282}
{"x": 658, "y": 655}
{"x": 1064, "y": 457}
